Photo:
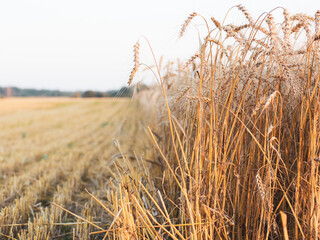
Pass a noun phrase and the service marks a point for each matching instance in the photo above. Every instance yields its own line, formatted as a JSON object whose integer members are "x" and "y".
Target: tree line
{"x": 31, "y": 92}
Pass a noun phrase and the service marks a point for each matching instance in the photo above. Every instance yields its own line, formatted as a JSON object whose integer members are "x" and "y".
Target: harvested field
{"x": 51, "y": 151}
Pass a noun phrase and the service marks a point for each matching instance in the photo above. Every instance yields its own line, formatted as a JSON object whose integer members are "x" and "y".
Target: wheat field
{"x": 225, "y": 146}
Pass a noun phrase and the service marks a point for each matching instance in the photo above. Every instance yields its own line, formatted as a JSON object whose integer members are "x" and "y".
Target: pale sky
{"x": 87, "y": 44}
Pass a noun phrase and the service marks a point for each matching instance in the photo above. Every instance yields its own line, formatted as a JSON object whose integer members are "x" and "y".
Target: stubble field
{"x": 51, "y": 150}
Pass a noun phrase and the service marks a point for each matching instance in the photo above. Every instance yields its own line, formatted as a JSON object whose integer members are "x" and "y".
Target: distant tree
{"x": 88, "y": 94}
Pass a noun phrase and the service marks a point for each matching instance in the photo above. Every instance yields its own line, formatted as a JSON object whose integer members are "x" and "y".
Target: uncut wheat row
{"x": 237, "y": 133}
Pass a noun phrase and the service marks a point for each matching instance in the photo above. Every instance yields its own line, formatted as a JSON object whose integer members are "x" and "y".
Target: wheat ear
{"x": 246, "y": 14}
{"x": 287, "y": 28}
{"x": 216, "y": 22}
{"x": 186, "y": 23}
{"x": 317, "y": 24}
{"x": 136, "y": 61}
